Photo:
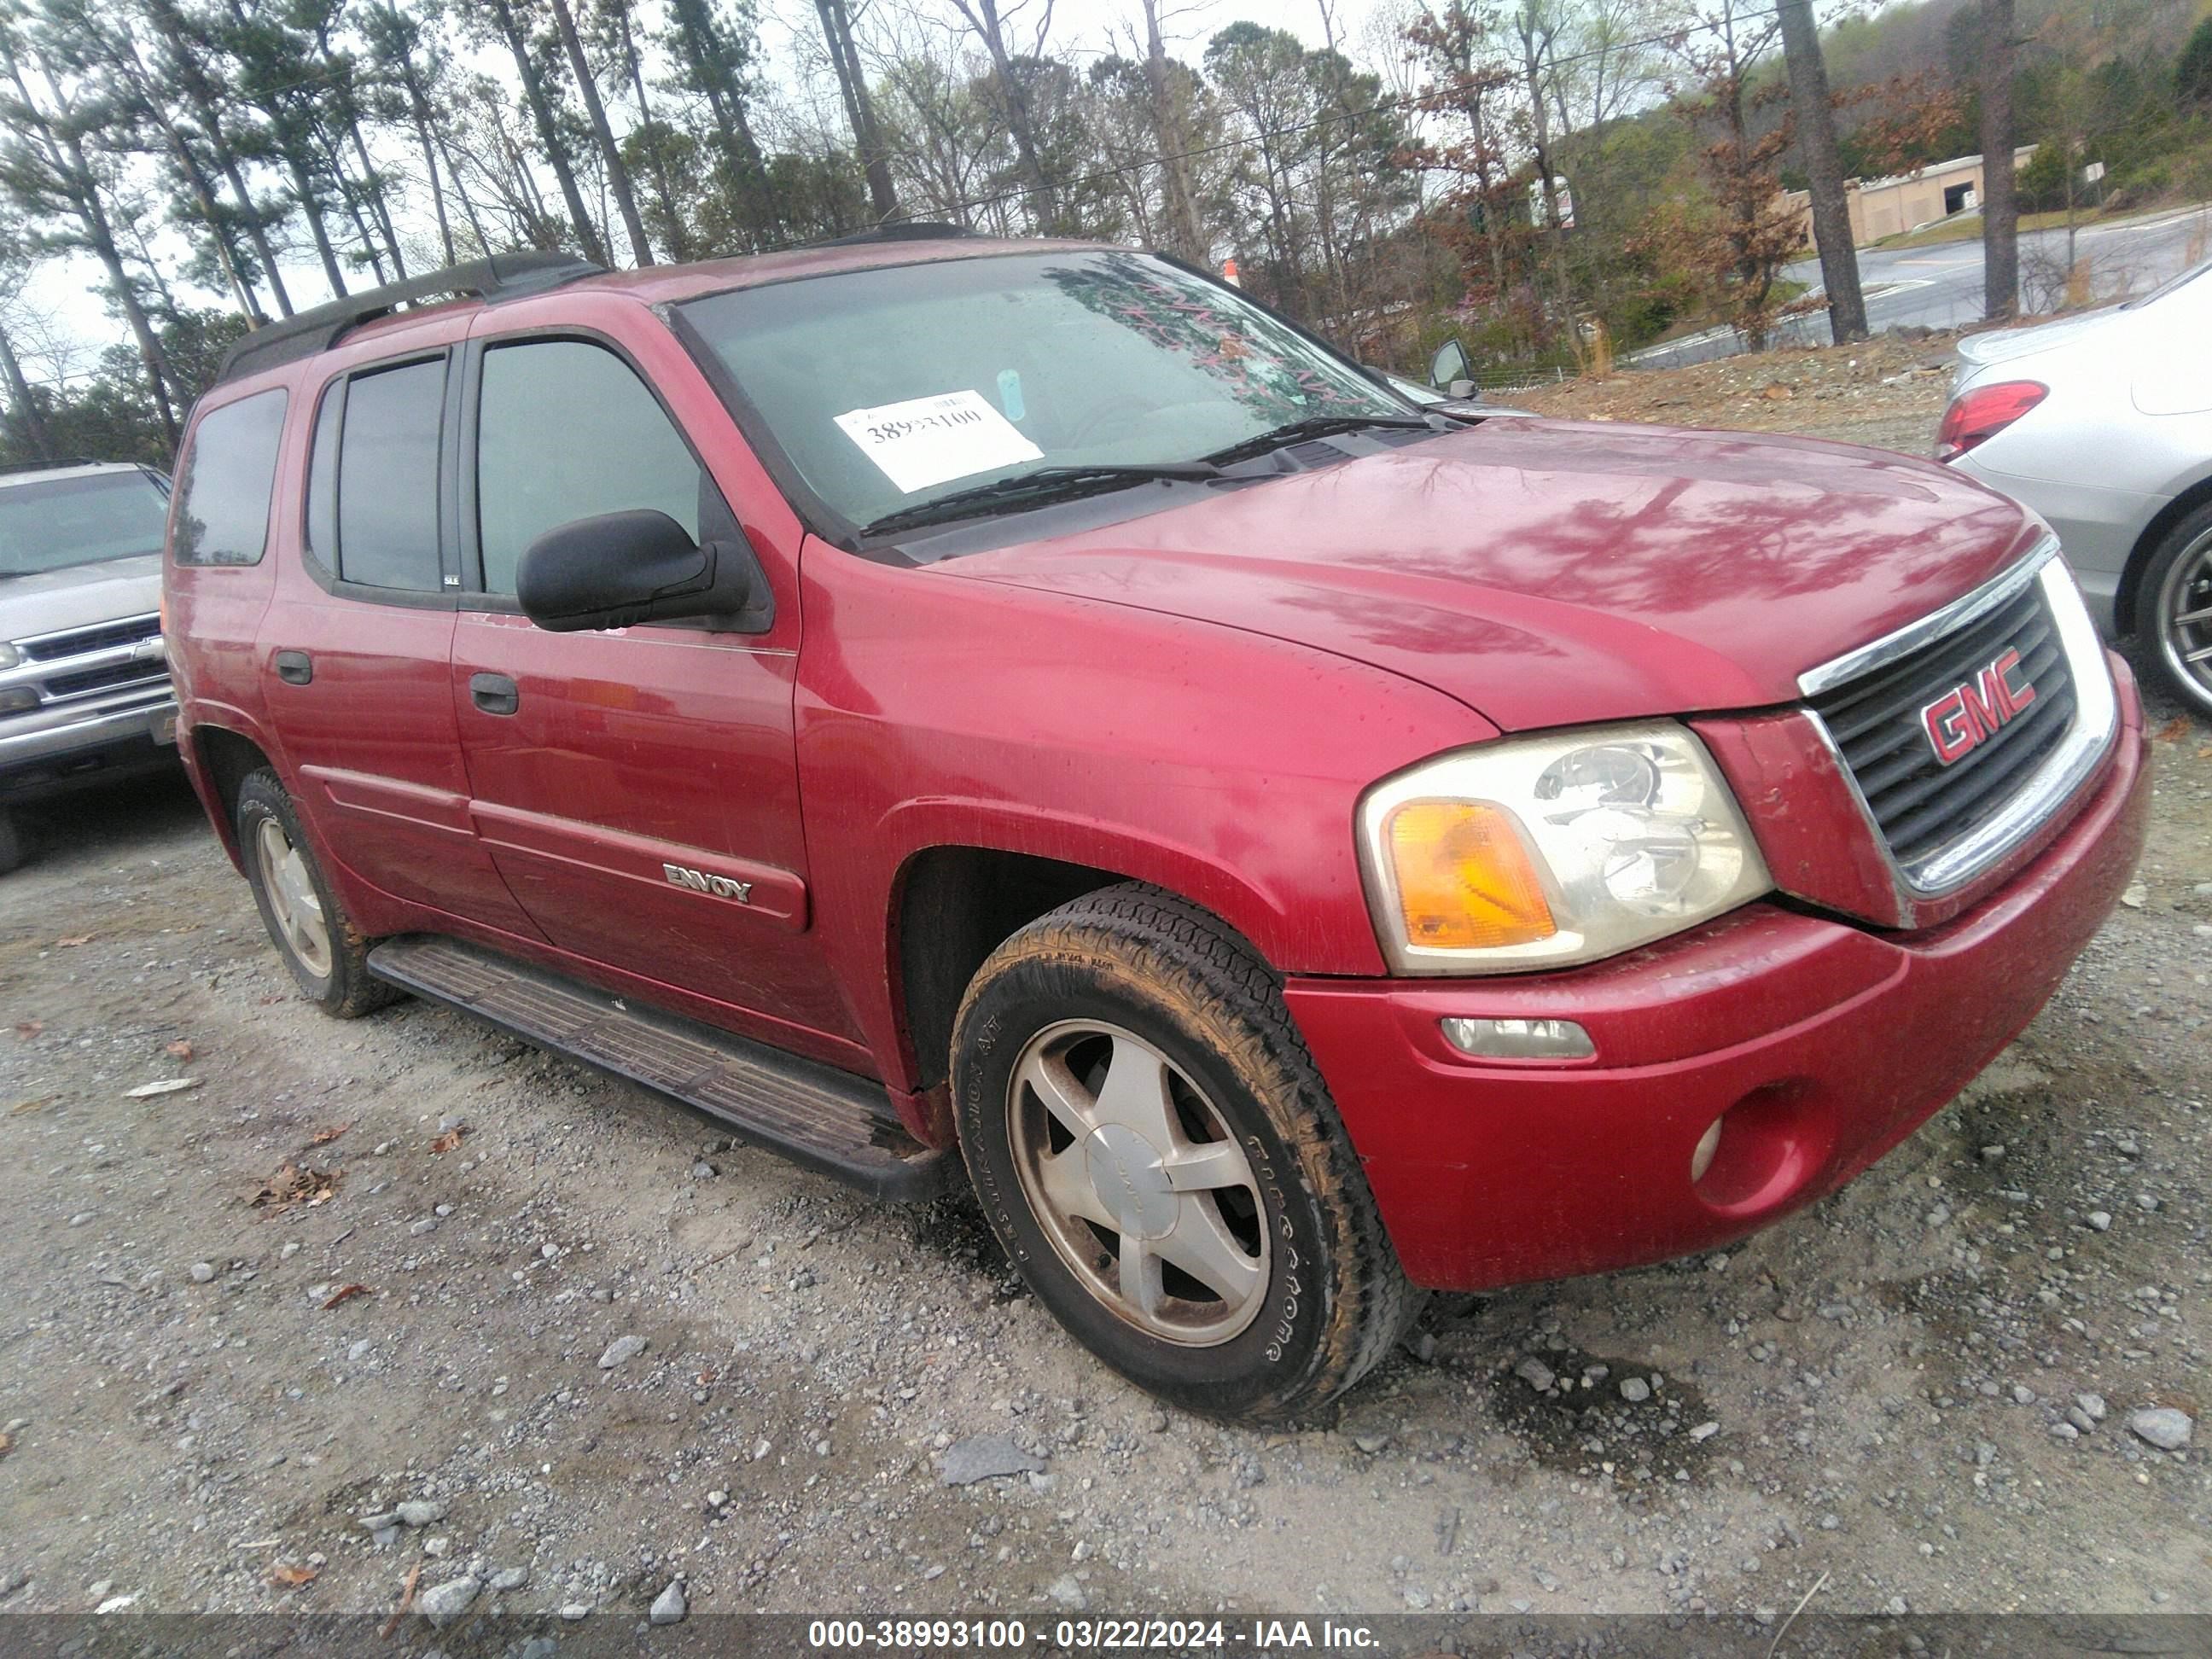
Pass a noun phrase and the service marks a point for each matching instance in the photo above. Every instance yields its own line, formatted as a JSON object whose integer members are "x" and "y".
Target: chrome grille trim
{"x": 2054, "y": 782}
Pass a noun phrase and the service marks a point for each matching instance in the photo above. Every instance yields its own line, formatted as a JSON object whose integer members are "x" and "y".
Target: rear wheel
{"x": 313, "y": 933}
{"x": 2173, "y": 609}
{"x": 1157, "y": 1152}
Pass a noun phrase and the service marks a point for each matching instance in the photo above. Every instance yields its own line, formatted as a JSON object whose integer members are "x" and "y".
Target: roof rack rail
{"x": 54, "y": 466}
{"x": 499, "y": 276}
{"x": 898, "y": 230}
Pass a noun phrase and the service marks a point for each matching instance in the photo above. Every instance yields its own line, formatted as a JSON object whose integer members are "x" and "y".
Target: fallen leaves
{"x": 25, "y": 1108}
{"x": 2175, "y": 729}
{"x": 344, "y": 1293}
{"x": 180, "y": 1049}
{"x": 73, "y": 940}
{"x": 447, "y": 1141}
{"x": 324, "y": 1137}
{"x": 295, "y": 1186}
{"x": 28, "y": 1029}
{"x": 285, "y": 1575}
{"x": 7, "y": 1444}
{"x": 166, "y": 1086}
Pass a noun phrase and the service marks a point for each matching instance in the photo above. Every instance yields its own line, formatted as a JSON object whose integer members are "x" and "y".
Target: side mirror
{"x": 622, "y": 569}
{"x": 1449, "y": 366}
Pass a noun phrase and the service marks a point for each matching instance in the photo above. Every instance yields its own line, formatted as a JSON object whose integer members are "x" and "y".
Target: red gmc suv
{"x": 926, "y": 701}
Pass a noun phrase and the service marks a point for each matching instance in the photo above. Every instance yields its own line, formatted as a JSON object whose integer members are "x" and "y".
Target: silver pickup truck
{"x": 84, "y": 681}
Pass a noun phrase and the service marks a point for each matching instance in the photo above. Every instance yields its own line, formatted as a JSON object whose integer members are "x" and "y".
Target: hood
{"x": 2003, "y": 345}
{"x": 79, "y": 596}
{"x": 1547, "y": 573}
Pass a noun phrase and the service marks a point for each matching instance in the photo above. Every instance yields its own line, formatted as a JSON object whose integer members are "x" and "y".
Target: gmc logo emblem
{"x": 1966, "y": 716}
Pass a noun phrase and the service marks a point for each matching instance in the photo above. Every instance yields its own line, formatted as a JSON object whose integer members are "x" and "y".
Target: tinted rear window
{"x": 222, "y": 498}
{"x": 388, "y": 477}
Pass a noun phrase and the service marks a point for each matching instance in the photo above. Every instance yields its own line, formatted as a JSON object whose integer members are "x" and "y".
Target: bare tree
{"x": 1815, "y": 121}
{"x": 1999, "y": 196}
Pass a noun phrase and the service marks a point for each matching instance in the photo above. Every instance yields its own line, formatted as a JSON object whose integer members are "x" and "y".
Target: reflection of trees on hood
{"x": 1254, "y": 357}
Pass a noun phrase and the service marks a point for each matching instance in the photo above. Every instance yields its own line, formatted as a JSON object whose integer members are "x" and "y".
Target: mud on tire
{"x": 1189, "y": 992}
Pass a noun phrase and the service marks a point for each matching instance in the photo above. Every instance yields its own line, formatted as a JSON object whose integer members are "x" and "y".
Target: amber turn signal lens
{"x": 1464, "y": 883}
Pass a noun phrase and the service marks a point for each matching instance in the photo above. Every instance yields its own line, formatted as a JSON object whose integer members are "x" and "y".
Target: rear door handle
{"x": 495, "y": 694}
{"x": 295, "y": 667}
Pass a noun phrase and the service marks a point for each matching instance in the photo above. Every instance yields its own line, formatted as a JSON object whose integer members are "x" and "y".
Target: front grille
{"x": 54, "y": 646}
{"x": 1921, "y": 805}
{"x": 86, "y": 681}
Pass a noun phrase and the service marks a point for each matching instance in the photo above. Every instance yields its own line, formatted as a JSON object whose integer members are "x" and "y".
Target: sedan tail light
{"x": 1977, "y": 416}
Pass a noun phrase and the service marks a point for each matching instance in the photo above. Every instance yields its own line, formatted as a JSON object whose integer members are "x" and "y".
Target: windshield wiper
{"x": 1319, "y": 426}
{"x": 1044, "y": 483}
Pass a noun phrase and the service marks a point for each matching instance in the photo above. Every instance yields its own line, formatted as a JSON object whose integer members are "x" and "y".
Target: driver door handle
{"x": 495, "y": 694}
{"x": 294, "y": 667}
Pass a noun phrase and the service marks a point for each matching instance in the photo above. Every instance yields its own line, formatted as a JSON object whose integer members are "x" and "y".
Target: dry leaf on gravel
{"x": 74, "y": 938}
{"x": 324, "y": 1137}
{"x": 180, "y": 1049}
{"x": 288, "y": 1577}
{"x": 293, "y": 1185}
{"x": 447, "y": 1141}
{"x": 2175, "y": 729}
{"x": 7, "y": 1444}
{"x": 28, "y": 1029}
{"x": 166, "y": 1086}
{"x": 344, "y": 1293}
{"x": 25, "y": 1108}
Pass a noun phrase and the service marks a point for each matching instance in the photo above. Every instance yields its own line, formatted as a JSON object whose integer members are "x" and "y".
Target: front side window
{"x": 566, "y": 430}
{"x": 228, "y": 479}
{"x": 387, "y": 476}
{"x": 888, "y": 387}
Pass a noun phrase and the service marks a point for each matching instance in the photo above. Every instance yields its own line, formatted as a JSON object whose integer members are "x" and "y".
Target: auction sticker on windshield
{"x": 928, "y": 440}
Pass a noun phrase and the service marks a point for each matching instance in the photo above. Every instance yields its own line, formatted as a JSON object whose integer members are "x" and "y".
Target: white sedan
{"x": 2103, "y": 424}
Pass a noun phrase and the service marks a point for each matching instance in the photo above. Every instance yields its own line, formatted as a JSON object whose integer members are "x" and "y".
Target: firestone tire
{"x": 319, "y": 941}
{"x": 1132, "y": 977}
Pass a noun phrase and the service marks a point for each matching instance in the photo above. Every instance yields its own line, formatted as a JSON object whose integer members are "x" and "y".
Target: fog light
{"x": 1701, "y": 1159}
{"x": 1519, "y": 1039}
{"x": 16, "y": 698}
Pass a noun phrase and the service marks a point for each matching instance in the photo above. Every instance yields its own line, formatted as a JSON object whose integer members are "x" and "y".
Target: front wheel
{"x": 1158, "y": 1155}
{"x": 2173, "y": 610}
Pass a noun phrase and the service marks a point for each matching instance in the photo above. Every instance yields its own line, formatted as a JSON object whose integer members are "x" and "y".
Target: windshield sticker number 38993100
{"x": 930, "y": 440}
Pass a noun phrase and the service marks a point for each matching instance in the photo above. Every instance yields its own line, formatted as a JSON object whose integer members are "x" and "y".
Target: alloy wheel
{"x": 1136, "y": 1178}
{"x": 2185, "y": 611}
{"x": 292, "y": 900}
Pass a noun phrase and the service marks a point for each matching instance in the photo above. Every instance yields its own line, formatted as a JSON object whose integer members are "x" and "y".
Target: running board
{"x": 814, "y": 1114}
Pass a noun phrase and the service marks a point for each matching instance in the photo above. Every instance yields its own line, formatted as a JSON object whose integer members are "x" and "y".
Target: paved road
{"x": 1941, "y": 286}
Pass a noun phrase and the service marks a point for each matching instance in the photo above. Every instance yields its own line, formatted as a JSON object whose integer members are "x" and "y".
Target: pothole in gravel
{"x": 1604, "y": 1417}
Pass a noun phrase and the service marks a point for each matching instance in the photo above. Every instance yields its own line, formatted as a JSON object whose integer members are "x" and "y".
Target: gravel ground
{"x": 404, "y": 1294}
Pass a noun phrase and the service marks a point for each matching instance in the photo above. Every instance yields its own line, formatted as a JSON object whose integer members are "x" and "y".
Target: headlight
{"x": 1540, "y": 852}
{"x": 10, "y": 656}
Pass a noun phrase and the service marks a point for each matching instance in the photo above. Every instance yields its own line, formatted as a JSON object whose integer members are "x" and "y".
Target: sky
{"x": 66, "y": 293}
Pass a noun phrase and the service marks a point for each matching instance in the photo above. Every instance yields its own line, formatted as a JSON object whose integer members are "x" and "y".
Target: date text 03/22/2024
{"x": 1088, "y": 1635}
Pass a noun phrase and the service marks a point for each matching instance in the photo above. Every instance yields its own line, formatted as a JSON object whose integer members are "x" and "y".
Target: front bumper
{"x": 97, "y": 744}
{"x": 1824, "y": 1043}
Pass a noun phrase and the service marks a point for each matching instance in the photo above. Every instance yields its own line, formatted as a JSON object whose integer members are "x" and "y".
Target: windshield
{"x": 66, "y": 521}
{"x": 888, "y": 388}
